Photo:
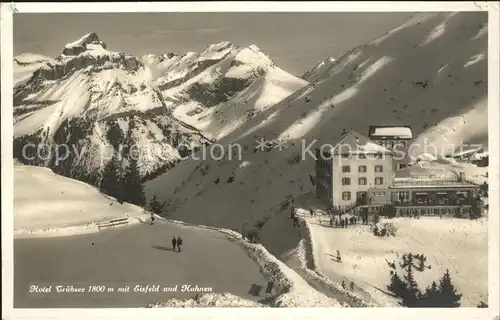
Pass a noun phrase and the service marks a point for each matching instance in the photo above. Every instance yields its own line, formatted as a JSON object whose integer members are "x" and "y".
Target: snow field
{"x": 66, "y": 207}
{"x": 459, "y": 245}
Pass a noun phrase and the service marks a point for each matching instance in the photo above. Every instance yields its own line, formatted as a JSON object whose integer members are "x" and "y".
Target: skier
{"x": 339, "y": 259}
{"x": 331, "y": 222}
{"x": 311, "y": 212}
{"x": 336, "y": 223}
{"x": 152, "y": 218}
{"x": 179, "y": 243}
{"x": 352, "y": 285}
{"x": 346, "y": 221}
{"x": 343, "y": 284}
{"x": 174, "y": 243}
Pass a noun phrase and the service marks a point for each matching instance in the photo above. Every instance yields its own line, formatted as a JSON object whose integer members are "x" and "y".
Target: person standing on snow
{"x": 174, "y": 243}
{"x": 152, "y": 218}
{"x": 179, "y": 243}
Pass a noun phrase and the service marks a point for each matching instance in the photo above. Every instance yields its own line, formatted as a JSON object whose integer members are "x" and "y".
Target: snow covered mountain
{"x": 222, "y": 87}
{"x": 95, "y": 100}
{"x": 429, "y": 73}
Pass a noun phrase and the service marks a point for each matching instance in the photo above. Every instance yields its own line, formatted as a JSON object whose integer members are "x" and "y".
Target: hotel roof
{"x": 399, "y": 132}
{"x": 353, "y": 142}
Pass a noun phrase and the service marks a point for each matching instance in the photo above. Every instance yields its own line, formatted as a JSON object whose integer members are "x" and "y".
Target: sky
{"x": 296, "y": 42}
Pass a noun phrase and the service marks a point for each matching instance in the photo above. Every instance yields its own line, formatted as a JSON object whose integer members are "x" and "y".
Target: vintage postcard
{"x": 282, "y": 160}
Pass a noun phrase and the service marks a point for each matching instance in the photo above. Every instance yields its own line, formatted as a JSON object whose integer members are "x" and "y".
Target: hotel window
{"x": 346, "y": 169}
{"x": 378, "y": 156}
{"x": 402, "y": 196}
{"x": 346, "y": 181}
{"x": 361, "y": 156}
{"x": 362, "y": 169}
{"x": 345, "y": 155}
{"x": 362, "y": 181}
{"x": 379, "y": 168}
{"x": 379, "y": 181}
{"x": 346, "y": 195}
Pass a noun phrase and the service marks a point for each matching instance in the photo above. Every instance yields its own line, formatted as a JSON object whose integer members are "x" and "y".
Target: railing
{"x": 432, "y": 203}
{"x": 433, "y": 210}
{"x": 113, "y": 223}
{"x": 397, "y": 184}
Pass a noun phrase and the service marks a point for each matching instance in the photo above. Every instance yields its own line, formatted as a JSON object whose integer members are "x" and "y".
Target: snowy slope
{"x": 66, "y": 203}
{"x": 24, "y": 66}
{"x": 424, "y": 73}
{"x": 318, "y": 70}
{"x": 460, "y": 245}
{"x": 95, "y": 100}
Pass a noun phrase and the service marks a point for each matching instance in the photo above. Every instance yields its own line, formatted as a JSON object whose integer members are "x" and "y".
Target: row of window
{"x": 362, "y": 181}
{"x": 392, "y": 143}
{"x": 347, "y": 169}
{"x": 347, "y": 195}
{"x": 360, "y": 156}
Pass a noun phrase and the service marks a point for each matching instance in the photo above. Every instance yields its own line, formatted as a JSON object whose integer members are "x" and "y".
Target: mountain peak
{"x": 89, "y": 41}
{"x": 220, "y": 46}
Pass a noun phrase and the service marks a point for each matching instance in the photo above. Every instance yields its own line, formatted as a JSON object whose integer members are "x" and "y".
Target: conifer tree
{"x": 397, "y": 285}
{"x": 110, "y": 182}
{"x": 449, "y": 298}
{"x": 132, "y": 186}
{"x": 413, "y": 292}
{"x": 155, "y": 206}
{"x": 431, "y": 297}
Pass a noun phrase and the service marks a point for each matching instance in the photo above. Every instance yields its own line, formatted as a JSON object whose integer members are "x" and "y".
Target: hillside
{"x": 66, "y": 203}
{"x": 95, "y": 100}
{"x": 430, "y": 73}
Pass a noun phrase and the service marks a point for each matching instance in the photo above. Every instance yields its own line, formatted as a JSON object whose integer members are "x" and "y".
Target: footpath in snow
{"x": 74, "y": 209}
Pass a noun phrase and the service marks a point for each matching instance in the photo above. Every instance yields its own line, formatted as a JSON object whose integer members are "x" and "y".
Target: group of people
{"x": 344, "y": 285}
{"x": 177, "y": 243}
{"x": 343, "y": 222}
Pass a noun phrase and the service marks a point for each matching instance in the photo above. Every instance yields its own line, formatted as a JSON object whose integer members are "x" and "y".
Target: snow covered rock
{"x": 88, "y": 41}
{"x": 94, "y": 99}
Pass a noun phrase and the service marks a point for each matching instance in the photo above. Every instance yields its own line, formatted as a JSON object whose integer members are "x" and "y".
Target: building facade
{"x": 346, "y": 173}
{"x": 357, "y": 172}
{"x": 396, "y": 138}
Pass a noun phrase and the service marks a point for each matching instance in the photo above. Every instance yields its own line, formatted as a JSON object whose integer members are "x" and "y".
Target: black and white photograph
{"x": 250, "y": 159}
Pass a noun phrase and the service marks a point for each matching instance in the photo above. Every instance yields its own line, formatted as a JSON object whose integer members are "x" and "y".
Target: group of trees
{"x": 438, "y": 295}
{"x": 123, "y": 184}
{"x": 126, "y": 185}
